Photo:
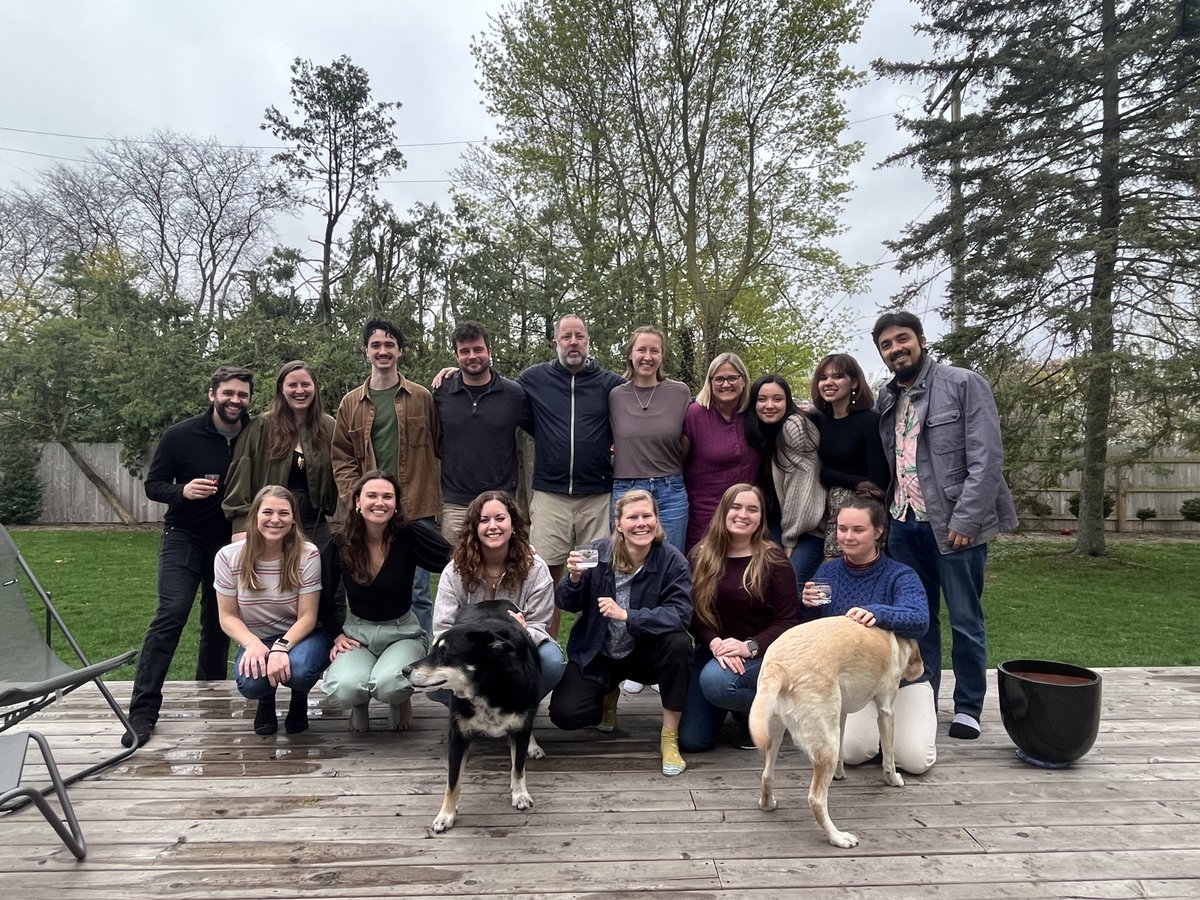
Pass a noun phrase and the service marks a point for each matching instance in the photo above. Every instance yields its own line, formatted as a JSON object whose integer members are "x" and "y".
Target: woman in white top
{"x": 492, "y": 561}
{"x": 268, "y": 589}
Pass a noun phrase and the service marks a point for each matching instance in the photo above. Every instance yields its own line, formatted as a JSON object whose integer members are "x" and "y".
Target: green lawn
{"x": 1138, "y": 608}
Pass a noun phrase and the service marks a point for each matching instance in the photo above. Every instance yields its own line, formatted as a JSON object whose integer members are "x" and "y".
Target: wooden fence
{"x": 1161, "y": 483}
{"x": 68, "y": 496}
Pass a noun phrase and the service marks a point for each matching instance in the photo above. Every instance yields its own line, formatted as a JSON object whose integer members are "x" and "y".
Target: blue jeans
{"x": 307, "y": 659}
{"x": 422, "y": 599}
{"x": 671, "y": 496}
{"x": 959, "y": 576}
{"x": 806, "y": 558}
{"x": 185, "y": 563}
{"x": 713, "y": 694}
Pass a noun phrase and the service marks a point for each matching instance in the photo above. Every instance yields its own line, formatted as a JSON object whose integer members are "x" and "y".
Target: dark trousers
{"x": 185, "y": 563}
{"x": 662, "y": 659}
{"x": 959, "y": 577}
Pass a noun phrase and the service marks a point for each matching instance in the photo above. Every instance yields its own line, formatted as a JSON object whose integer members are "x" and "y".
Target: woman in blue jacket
{"x": 634, "y": 608}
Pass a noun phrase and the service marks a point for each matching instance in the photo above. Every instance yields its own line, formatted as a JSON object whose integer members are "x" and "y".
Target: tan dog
{"x": 814, "y": 676}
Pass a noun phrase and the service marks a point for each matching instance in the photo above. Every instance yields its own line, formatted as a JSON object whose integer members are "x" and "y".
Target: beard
{"x": 228, "y": 415}
{"x": 907, "y": 371}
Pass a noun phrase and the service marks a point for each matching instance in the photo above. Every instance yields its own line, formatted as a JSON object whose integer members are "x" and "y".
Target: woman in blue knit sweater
{"x": 878, "y": 592}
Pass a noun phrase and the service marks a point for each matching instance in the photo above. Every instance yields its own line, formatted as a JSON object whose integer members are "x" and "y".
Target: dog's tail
{"x": 763, "y": 706}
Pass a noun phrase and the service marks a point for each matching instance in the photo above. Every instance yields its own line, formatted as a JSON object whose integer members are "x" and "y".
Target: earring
{"x": 358, "y": 510}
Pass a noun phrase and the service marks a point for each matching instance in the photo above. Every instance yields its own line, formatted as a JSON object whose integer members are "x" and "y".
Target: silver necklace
{"x": 645, "y": 406}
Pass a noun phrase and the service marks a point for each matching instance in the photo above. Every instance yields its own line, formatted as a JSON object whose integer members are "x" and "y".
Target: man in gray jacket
{"x": 948, "y": 498}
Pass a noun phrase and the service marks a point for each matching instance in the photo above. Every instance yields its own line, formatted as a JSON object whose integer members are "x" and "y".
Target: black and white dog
{"x": 488, "y": 661}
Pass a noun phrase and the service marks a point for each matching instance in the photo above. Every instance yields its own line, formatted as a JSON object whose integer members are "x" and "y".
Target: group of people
{"x": 712, "y": 519}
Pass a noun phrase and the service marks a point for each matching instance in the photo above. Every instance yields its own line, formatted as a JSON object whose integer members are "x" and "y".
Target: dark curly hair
{"x": 468, "y": 550}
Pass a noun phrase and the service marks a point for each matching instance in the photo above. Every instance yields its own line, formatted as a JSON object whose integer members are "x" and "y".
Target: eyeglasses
{"x": 726, "y": 379}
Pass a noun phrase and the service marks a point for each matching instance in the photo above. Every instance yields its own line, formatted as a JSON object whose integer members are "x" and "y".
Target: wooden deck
{"x": 209, "y": 810}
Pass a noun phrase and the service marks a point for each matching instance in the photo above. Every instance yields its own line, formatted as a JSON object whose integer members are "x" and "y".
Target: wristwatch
{"x": 282, "y": 644}
{"x": 752, "y": 645}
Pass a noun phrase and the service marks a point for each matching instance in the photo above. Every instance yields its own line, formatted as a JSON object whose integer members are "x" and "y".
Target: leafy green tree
{"x": 112, "y": 365}
{"x": 340, "y": 145}
{"x": 672, "y": 155}
{"x": 1076, "y": 163}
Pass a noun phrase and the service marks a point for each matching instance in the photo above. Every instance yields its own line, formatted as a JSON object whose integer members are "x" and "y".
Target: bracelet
{"x": 269, "y": 652}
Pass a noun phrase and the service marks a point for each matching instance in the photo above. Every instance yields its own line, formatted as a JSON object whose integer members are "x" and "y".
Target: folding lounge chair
{"x": 13, "y": 748}
{"x": 32, "y": 675}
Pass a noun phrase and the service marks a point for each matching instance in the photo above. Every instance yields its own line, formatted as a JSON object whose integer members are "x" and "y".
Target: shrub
{"x": 1190, "y": 509}
{"x": 1147, "y": 512}
{"x": 1110, "y": 503}
{"x": 20, "y": 486}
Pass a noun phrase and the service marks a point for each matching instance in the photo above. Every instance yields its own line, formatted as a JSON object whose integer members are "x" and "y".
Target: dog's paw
{"x": 843, "y": 839}
{"x": 443, "y": 822}
{"x": 522, "y": 800}
{"x": 535, "y": 749}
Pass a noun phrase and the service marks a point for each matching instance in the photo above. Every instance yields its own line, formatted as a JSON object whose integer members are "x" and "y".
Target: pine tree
{"x": 1072, "y": 217}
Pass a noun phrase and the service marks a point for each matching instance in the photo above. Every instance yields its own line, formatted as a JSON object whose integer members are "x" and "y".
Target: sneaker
{"x": 141, "y": 733}
{"x": 632, "y": 687}
{"x": 964, "y": 727}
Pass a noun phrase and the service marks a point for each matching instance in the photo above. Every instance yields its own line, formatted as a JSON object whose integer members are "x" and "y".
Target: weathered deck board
{"x": 210, "y": 810}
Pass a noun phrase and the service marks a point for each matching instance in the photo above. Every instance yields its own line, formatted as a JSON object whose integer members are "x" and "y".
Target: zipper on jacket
{"x": 571, "y": 458}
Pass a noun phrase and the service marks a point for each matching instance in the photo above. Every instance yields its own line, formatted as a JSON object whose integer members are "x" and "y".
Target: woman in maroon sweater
{"x": 744, "y": 597}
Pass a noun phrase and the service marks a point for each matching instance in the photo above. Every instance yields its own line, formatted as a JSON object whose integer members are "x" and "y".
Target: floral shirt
{"x": 908, "y": 485}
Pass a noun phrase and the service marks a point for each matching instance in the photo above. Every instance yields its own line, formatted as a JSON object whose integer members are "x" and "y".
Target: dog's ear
{"x": 502, "y": 644}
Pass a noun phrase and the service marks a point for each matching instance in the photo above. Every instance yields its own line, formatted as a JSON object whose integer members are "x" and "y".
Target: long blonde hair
{"x": 710, "y": 555}
{"x": 621, "y": 560}
{"x": 256, "y": 545}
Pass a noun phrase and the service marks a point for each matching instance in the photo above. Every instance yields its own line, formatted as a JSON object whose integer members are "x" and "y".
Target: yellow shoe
{"x": 608, "y": 721}
{"x": 668, "y": 744}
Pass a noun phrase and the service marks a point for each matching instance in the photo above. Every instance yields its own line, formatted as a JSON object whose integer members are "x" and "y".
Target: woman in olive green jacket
{"x": 287, "y": 445}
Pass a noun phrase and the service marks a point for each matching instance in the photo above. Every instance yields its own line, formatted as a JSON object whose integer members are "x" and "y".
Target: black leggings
{"x": 662, "y": 659}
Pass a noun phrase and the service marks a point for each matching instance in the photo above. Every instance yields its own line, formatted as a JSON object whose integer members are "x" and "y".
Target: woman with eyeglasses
{"x": 716, "y": 452}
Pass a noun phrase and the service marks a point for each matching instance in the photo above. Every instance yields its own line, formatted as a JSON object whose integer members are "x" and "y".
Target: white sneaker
{"x": 632, "y": 687}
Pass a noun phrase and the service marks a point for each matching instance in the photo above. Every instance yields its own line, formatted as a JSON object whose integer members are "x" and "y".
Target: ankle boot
{"x": 297, "y": 714}
{"x": 265, "y": 720}
{"x": 608, "y": 720}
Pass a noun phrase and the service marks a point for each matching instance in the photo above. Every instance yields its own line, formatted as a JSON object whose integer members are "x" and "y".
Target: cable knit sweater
{"x": 887, "y": 589}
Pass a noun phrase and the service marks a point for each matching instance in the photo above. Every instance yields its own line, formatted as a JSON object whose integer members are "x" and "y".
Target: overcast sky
{"x": 123, "y": 68}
